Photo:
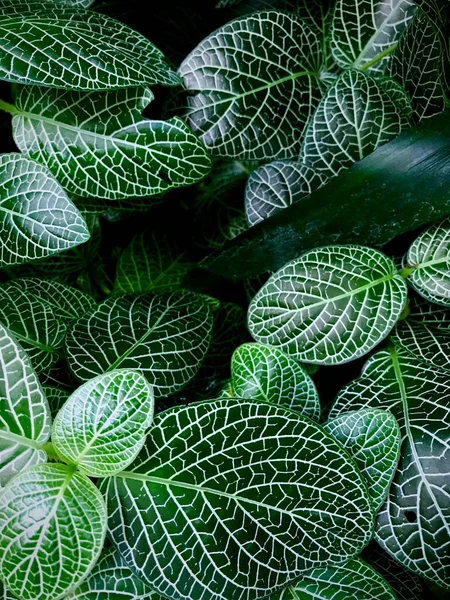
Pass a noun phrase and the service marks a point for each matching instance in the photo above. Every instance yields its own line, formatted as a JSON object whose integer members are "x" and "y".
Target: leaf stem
{"x": 406, "y": 272}
{"x": 378, "y": 57}
{"x": 50, "y": 450}
{"x": 9, "y": 108}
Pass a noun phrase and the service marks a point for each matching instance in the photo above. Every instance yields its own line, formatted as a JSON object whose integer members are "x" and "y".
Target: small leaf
{"x": 24, "y": 413}
{"x": 102, "y": 426}
{"x": 166, "y": 337}
{"x": 276, "y": 186}
{"x": 52, "y": 528}
{"x": 36, "y": 217}
{"x": 74, "y": 49}
{"x": 226, "y": 508}
{"x": 353, "y": 119}
{"x": 364, "y": 32}
{"x": 261, "y": 372}
{"x": 372, "y": 437}
{"x": 329, "y": 306}
{"x": 356, "y": 580}
{"x": 256, "y": 80}
{"x": 429, "y": 257}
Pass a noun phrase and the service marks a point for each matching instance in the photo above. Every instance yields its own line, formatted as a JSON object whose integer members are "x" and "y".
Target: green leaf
{"x": 122, "y": 154}
{"x": 428, "y": 258}
{"x": 74, "y": 3}
{"x": 52, "y": 528}
{"x": 329, "y": 306}
{"x": 365, "y": 32}
{"x": 353, "y": 119}
{"x": 256, "y": 80}
{"x": 166, "y": 337}
{"x": 5, "y": 594}
{"x": 56, "y": 397}
{"x": 261, "y": 372}
{"x": 24, "y": 413}
{"x": 74, "y": 49}
{"x": 225, "y": 506}
{"x": 276, "y": 186}
{"x": 414, "y": 524}
{"x": 356, "y": 580}
{"x": 397, "y": 93}
{"x": 102, "y": 426}
{"x": 36, "y": 217}
{"x": 151, "y": 263}
{"x": 372, "y": 437}
{"x": 112, "y": 579}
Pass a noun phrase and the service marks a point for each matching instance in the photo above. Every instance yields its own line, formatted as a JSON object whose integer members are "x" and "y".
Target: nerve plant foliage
{"x": 113, "y": 482}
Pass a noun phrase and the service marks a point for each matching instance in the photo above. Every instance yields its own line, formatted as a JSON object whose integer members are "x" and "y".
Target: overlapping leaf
{"x": 256, "y": 84}
{"x": 414, "y": 524}
{"x": 37, "y": 219}
{"x": 261, "y": 372}
{"x": 52, "y": 528}
{"x": 235, "y": 499}
{"x": 24, "y": 413}
{"x": 353, "y": 119}
{"x": 102, "y": 426}
{"x": 75, "y": 3}
{"x": 329, "y": 306}
{"x": 56, "y": 397}
{"x": 372, "y": 437}
{"x": 364, "y": 32}
{"x": 164, "y": 336}
{"x": 80, "y": 50}
{"x": 99, "y": 144}
{"x": 277, "y": 185}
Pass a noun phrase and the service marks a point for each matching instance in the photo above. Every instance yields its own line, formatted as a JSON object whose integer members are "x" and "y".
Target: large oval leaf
{"x": 52, "y": 529}
{"x": 261, "y": 372}
{"x": 102, "y": 426}
{"x": 116, "y": 157}
{"x": 24, "y": 413}
{"x": 257, "y": 84}
{"x": 330, "y": 305}
{"x": 37, "y": 219}
{"x": 79, "y": 50}
{"x": 224, "y": 506}
{"x": 166, "y": 337}
{"x": 414, "y": 524}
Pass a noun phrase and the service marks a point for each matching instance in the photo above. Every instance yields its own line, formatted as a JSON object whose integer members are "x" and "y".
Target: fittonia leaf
{"x": 414, "y": 523}
{"x": 225, "y": 479}
{"x": 56, "y": 397}
{"x": 329, "y": 306}
{"x": 256, "y": 86}
{"x": 74, "y": 3}
{"x": 24, "y": 412}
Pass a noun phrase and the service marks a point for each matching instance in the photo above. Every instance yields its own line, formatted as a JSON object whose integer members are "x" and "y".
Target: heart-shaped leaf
{"x": 261, "y": 372}
{"x": 329, "y": 306}
{"x": 277, "y": 185}
{"x": 37, "y": 219}
{"x": 365, "y": 32}
{"x": 24, "y": 413}
{"x": 166, "y": 337}
{"x": 102, "y": 426}
{"x": 372, "y": 437}
{"x": 52, "y": 528}
{"x": 414, "y": 524}
{"x": 75, "y": 49}
{"x": 124, "y": 155}
{"x": 225, "y": 506}
{"x": 257, "y": 84}
{"x": 353, "y": 119}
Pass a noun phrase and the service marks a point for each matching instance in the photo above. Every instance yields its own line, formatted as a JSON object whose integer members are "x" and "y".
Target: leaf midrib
{"x": 19, "y": 439}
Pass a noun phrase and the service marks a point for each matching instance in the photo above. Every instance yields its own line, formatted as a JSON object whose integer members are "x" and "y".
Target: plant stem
{"x": 50, "y": 450}
{"x": 9, "y": 108}
{"x": 378, "y": 58}
{"x": 406, "y": 272}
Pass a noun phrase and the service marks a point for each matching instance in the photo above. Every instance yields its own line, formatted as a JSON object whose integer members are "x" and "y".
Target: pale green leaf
{"x": 355, "y": 117}
{"x": 102, "y": 426}
{"x": 37, "y": 219}
{"x": 261, "y": 372}
{"x": 24, "y": 413}
{"x": 372, "y": 437}
{"x": 165, "y": 336}
{"x": 52, "y": 528}
{"x": 100, "y": 145}
{"x": 256, "y": 80}
{"x": 226, "y": 506}
{"x": 80, "y": 50}
{"x": 414, "y": 523}
{"x": 329, "y": 306}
